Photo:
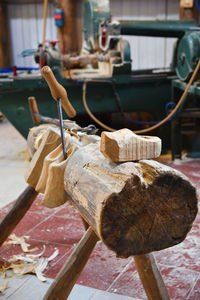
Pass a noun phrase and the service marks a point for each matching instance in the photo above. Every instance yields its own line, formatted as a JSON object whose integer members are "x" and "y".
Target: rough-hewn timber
{"x": 135, "y": 208}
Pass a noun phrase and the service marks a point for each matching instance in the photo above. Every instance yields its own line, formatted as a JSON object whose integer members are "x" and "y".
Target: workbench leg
{"x": 85, "y": 224}
{"x": 68, "y": 275}
{"x": 151, "y": 277}
{"x": 16, "y": 213}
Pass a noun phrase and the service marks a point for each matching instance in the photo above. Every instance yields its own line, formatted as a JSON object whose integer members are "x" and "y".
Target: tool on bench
{"x": 58, "y": 92}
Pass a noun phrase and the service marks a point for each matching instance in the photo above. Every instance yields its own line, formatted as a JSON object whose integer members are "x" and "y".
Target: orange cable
{"x": 154, "y": 126}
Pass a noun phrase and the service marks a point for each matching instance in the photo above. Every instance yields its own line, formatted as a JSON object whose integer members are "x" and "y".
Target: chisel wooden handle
{"x": 58, "y": 91}
{"x": 33, "y": 109}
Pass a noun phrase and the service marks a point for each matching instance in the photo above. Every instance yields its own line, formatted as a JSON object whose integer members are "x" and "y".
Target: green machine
{"x": 185, "y": 127}
{"x": 112, "y": 85}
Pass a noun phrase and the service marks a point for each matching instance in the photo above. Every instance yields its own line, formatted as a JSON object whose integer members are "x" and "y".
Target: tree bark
{"x": 135, "y": 208}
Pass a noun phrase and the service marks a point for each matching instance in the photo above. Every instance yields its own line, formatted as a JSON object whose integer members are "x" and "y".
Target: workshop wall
{"x": 26, "y": 25}
{"x": 148, "y": 52}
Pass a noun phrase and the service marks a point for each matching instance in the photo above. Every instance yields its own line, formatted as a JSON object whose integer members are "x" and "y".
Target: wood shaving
{"x": 15, "y": 240}
{"x": 23, "y": 264}
{"x": 56, "y": 252}
{"x": 3, "y": 287}
{"x": 33, "y": 249}
{"x": 30, "y": 263}
{"x": 37, "y": 255}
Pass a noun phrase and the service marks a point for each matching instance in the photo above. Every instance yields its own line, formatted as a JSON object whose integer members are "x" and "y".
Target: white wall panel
{"x": 147, "y": 52}
{"x": 26, "y": 27}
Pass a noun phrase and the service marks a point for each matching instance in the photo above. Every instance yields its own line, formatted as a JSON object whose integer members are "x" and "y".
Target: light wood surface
{"x": 124, "y": 145}
{"x": 50, "y": 141}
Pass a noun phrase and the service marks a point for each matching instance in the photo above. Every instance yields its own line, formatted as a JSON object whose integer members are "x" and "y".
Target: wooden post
{"x": 70, "y": 34}
{"x": 188, "y": 10}
{"x": 4, "y": 37}
{"x": 66, "y": 278}
{"x": 16, "y": 213}
{"x": 151, "y": 277}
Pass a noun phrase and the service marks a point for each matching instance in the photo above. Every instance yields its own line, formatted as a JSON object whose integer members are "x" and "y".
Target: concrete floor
{"x": 13, "y": 162}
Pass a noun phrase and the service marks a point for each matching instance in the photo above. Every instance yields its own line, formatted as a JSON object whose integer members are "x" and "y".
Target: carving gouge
{"x": 59, "y": 93}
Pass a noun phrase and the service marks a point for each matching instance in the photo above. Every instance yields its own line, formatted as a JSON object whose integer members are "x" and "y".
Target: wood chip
{"x": 15, "y": 240}
{"x": 30, "y": 263}
{"x": 34, "y": 264}
{"x": 3, "y": 287}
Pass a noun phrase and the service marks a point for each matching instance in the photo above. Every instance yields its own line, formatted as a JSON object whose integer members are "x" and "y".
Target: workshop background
{"x": 146, "y": 52}
{"x": 57, "y": 231}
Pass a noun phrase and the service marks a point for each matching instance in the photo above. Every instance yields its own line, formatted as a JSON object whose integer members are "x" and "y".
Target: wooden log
{"x": 16, "y": 213}
{"x": 66, "y": 278}
{"x": 135, "y": 208}
{"x": 124, "y": 145}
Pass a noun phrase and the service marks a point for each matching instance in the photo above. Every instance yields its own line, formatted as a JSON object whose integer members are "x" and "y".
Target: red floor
{"x": 62, "y": 228}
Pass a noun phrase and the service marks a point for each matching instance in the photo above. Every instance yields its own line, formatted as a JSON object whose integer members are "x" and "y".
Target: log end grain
{"x": 150, "y": 214}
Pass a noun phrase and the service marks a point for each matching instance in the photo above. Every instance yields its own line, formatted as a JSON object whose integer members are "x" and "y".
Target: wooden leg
{"x": 85, "y": 224}
{"x": 16, "y": 213}
{"x": 151, "y": 277}
{"x": 66, "y": 278}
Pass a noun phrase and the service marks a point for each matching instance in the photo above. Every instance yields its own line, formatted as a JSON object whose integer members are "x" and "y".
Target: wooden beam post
{"x": 68, "y": 275}
{"x": 151, "y": 277}
{"x": 4, "y": 37}
{"x": 70, "y": 34}
{"x": 17, "y": 212}
{"x": 188, "y": 10}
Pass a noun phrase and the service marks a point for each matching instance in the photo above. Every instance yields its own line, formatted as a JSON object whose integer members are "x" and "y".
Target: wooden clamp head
{"x": 58, "y": 91}
{"x": 33, "y": 109}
